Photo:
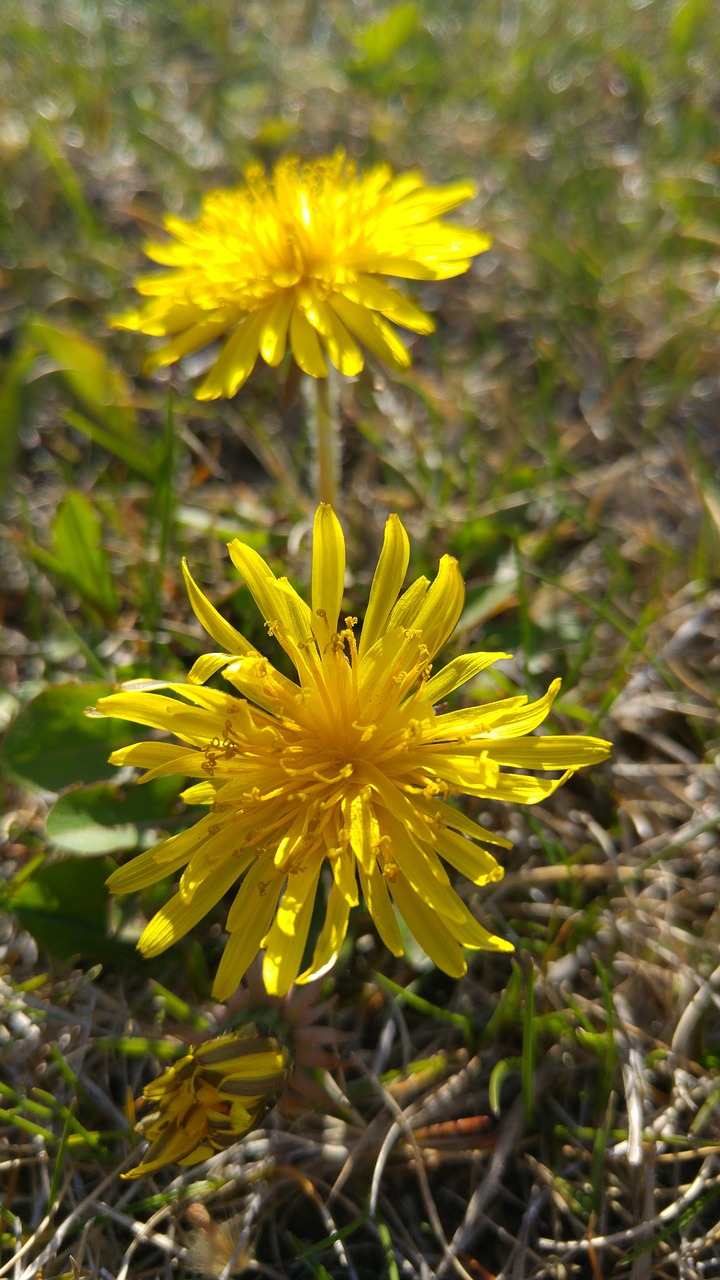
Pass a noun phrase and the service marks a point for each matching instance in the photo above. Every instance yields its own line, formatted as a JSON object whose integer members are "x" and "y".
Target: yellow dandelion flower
{"x": 296, "y": 257}
{"x": 210, "y": 1098}
{"x": 340, "y": 776}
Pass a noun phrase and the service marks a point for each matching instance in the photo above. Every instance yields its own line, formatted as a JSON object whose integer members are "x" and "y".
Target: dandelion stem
{"x": 325, "y": 428}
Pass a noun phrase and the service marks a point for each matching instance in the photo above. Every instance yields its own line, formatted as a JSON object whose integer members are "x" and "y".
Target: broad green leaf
{"x": 53, "y": 744}
{"x": 101, "y": 389}
{"x": 107, "y": 818}
{"x": 65, "y": 907}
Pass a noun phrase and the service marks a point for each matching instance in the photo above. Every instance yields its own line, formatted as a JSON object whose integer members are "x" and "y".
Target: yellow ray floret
{"x": 337, "y": 781}
{"x": 294, "y": 259}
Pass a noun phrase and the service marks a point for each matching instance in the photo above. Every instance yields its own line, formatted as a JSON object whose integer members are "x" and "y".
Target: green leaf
{"x": 52, "y": 744}
{"x": 406, "y": 996}
{"x": 45, "y": 143}
{"x": 597, "y": 1041}
{"x": 686, "y": 24}
{"x": 498, "y": 1075}
{"x": 379, "y": 42}
{"x": 100, "y": 388}
{"x": 77, "y": 532}
{"x": 78, "y": 555}
{"x": 11, "y": 410}
{"x": 65, "y": 905}
{"x": 106, "y": 818}
{"x": 506, "y": 1012}
{"x": 134, "y": 454}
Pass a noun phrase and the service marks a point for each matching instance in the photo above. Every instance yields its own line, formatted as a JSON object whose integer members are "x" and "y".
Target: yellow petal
{"x": 403, "y": 614}
{"x": 549, "y": 752}
{"x": 190, "y": 723}
{"x": 328, "y": 573}
{"x": 161, "y": 284}
{"x": 439, "y": 612}
{"x": 395, "y": 265}
{"x": 458, "y": 672}
{"x": 169, "y": 1149}
{"x": 176, "y": 918}
{"x": 286, "y": 939}
{"x": 508, "y": 718}
{"x": 374, "y": 294}
{"x": 364, "y": 831}
{"x": 306, "y": 346}
{"x": 197, "y": 336}
{"x": 289, "y": 621}
{"x": 208, "y": 665}
{"x": 387, "y": 581}
{"x": 469, "y": 859}
{"x": 378, "y": 336}
{"x": 378, "y": 668}
{"x": 158, "y": 319}
{"x": 342, "y": 349}
{"x": 425, "y": 203}
{"x": 258, "y": 680}
{"x": 473, "y": 723}
{"x": 292, "y": 843}
{"x": 428, "y": 929}
{"x": 516, "y": 788}
{"x": 458, "y": 821}
{"x": 473, "y": 935}
{"x": 273, "y": 334}
{"x": 332, "y": 936}
{"x": 398, "y": 805}
{"x": 275, "y": 599}
{"x": 343, "y": 869}
{"x": 247, "y": 923}
{"x": 156, "y": 863}
{"x": 379, "y": 905}
{"x": 227, "y": 845}
{"x": 200, "y": 793}
{"x": 213, "y": 622}
{"x": 422, "y": 870}
{"x": 236, "y": 360}
{"x": 160, "y": 758}
{"x": 203, "y": 1152}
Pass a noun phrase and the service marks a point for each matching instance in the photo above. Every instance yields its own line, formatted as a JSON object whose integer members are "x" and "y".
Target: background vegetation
{"x": 554, "y": 1116}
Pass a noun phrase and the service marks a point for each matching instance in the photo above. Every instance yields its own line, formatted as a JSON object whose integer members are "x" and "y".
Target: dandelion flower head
{"x": 339, "y": 780}
{"x": 298, "y": 258}
{"x": 211, "y": 1098}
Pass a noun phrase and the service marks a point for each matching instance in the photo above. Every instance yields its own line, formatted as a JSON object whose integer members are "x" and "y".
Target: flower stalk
{"x": 326, "y": 438}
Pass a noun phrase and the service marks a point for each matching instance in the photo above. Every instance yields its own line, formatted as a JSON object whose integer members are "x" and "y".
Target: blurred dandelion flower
{"x": 349, "y": 768}
{"x": 210, "y": 1098}
{"x": 298, "y": 256}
